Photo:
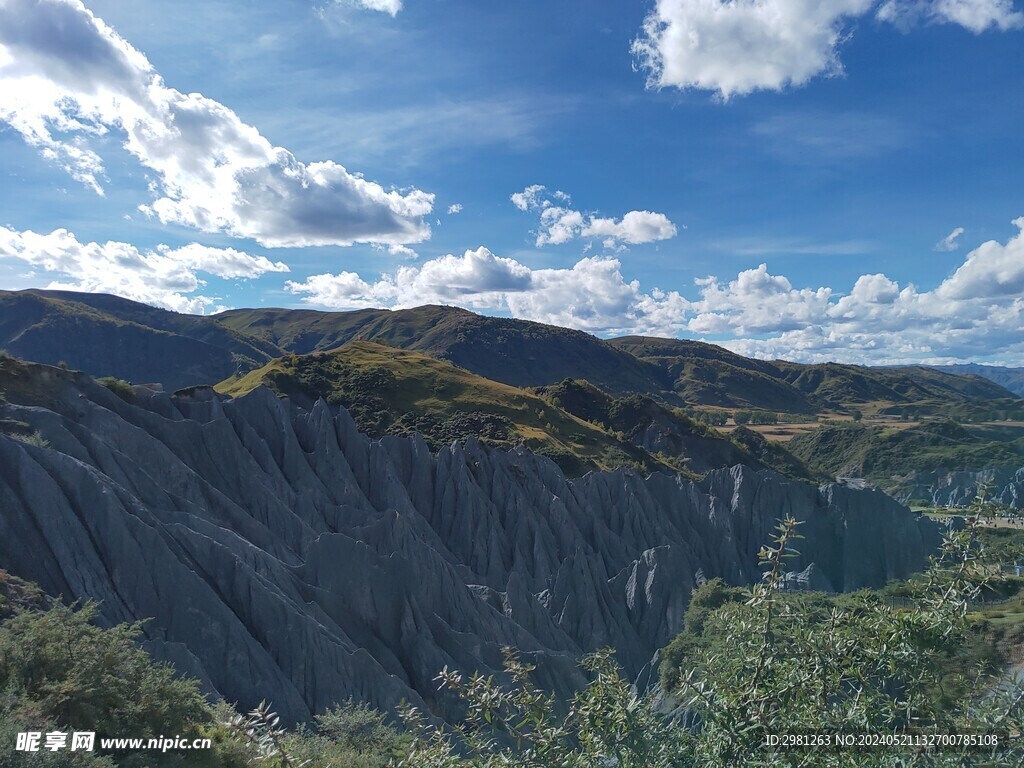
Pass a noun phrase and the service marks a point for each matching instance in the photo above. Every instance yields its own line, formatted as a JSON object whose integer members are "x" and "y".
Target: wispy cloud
{"x": 949, "y": 242}
{"x": 813, "y": 137}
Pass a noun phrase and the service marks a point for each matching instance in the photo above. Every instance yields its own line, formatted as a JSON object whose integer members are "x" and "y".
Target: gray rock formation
{"x": 283, "y": 555}
{"x": 958, "y": 489}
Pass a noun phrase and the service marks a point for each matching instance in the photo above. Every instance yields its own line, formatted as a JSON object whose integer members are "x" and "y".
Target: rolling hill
{"x": 516, "y": 352}
{"x": 106, "y": 335}
{"x": 1010, "y": 378}
{"x": 890, "y": 457}
{"x": 110, "y": 336}
{"x": 391, "y": 391}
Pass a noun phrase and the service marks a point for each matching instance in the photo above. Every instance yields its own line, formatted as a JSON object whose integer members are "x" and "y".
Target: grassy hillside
{"x": 1010, "y": 378}
{"x": 709, "y": 375}
{"x": 883, "y": 454}
{"x": 394, "y": 391}
{"x": 514, "y": 352}
{"x": 669, "y": 432}
{"x": 109, "y": 336}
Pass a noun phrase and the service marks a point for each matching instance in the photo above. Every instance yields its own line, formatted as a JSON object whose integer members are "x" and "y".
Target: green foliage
{"x": 884, "y": 455}
{"x": 351, "y": 735}
{"x": 119, "y": 387}
{"x": 62, "y": 668}
{"x": 34, "y": 437}
{"x": 778, "y": 663}
{"x": 712, "y": 418}
{"x": 606, "y": 724}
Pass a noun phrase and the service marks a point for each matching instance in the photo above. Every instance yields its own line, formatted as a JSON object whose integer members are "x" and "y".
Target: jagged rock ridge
{"x": 283, "y": 555}
{"x": 1004, "y": 485}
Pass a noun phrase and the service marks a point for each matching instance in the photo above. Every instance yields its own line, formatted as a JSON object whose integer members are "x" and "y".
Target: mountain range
{"x": 109, "y": 336}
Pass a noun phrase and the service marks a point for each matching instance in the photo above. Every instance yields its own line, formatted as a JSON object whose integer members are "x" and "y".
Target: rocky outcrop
{"x": 958, "y": 489}
{"x": 283, "y": 555}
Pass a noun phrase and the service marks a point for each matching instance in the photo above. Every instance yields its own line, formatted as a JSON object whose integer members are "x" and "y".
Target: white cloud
{"x": 976, "y": 313}
{"x": 560, "y": 224}
{"x": 390, "y": 7}
{"x": 635, "y": 227}
{"x": 592, "y": 295}
{"x": 66, "y": 77}
{"x": 734, "y": 47}
{"x": 742, "y": 46}
{"x": 974, "y": 15}
{"x": 991, "y": 271}
{"x": 949, "y": 242}
{"x": 161, "y": 277}
{"x": 536, "y": 196}
{"x": 387, "y": 6}
{"x": 454, "y": 209}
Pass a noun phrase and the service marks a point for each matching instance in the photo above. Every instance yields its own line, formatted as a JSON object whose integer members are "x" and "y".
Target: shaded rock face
{"x": 283, "y": 555}
{"x": 958, "y": 489}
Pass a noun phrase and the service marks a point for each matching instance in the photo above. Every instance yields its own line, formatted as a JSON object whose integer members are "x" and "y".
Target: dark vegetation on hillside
{"x": 883, "y": 455}
{"x": 109, "y": 336}
{"x": 391, "y": 391}
{"x": 670, "y": 432}
{"x": 1011, "y": 378}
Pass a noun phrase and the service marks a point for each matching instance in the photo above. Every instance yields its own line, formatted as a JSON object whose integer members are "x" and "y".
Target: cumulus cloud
{"x": 560, "y": 224}
{"x": 949, "y": 242}
{"x": 976, "y": 312}
{"x": 734, "y": 47}
{"x": 67, "y": 78}
{"x": 163, "y": 277}
{"x": 592, "y": 295}
{"x": 454, "y": 208}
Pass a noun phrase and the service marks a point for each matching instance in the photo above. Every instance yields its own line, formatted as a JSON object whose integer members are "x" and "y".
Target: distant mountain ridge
{"x": 1010, "y": 378}
{"x": 106, "y": 335}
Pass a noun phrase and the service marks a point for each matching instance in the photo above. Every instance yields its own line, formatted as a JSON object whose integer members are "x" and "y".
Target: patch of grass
{"x": 34, "y": 438}
{"x": 119, "y": 387}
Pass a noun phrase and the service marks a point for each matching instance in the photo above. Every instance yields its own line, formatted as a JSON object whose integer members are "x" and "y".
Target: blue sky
{"x": 779, "y": 176}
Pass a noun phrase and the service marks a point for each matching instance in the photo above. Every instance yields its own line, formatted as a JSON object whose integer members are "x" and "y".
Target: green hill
{"x": 395, "y": 391}
{"x": 516, "y": 352}
{"x": 109, "y": 336}
{"x": 1010, "y": 378}
{"x": 667, "y": 431}
{"x": 883, "y": 455}
{"x": 709, "y": 375}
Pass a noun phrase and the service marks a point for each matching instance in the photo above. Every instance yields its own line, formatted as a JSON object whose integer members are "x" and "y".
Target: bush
{"x": 56, "y": 666}
{"x": 119, "y": 387}
{"x": 32, "y": 438}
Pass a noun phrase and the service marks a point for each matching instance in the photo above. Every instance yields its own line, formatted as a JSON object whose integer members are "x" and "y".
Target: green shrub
{"x": 119, "y": 387}
{"x": 32, "y": 438}
{"x": 56, "y": 666}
